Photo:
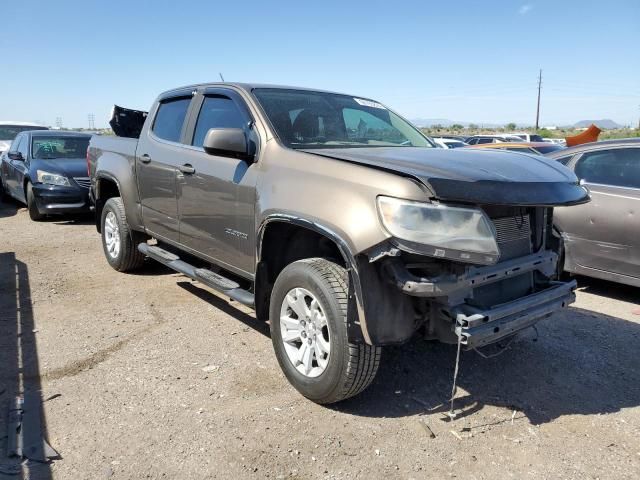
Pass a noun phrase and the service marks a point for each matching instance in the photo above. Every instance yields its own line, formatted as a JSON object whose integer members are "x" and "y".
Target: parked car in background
{"x": 528, "y": 137}
{"x": 47, "y": 170}
{"x": 461, "y": 138}
{"x": 539, "y": 148}
{"x": 9, "y": 130}
{"x": 602, "y": 239}
{"x": 480, "y": 139}
{"x": 336, "y": 219}
{"x": 557, "y": 141}
{"x": 448, "y": 142}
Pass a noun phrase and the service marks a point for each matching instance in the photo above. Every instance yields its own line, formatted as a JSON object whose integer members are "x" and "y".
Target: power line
{"x": 538, "y": 109}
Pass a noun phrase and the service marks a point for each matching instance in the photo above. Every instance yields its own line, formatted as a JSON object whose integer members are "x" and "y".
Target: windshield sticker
{"x": 368, "y": 103}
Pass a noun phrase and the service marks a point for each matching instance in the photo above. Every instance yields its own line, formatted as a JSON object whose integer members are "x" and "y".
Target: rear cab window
{"x": 170, "y": 118}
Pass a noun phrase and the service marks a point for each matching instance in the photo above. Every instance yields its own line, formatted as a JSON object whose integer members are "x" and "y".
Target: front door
{"x": 158, "y": 154}
{"x": 604, "y": 233}
{"x": 216, "y": 196}
{"x": 16, "y": 169}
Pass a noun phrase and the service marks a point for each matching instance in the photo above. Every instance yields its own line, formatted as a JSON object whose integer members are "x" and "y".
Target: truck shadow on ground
{"x": 9, "y": 207}
{"x": 578, "y": 363}
{"x": 581, "y": 363}
{"x": 19, "y": 361}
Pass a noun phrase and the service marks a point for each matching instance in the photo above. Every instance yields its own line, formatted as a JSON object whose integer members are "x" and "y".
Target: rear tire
{"x": 34, "y": 213}
{"x": 347, "y": 368}
{"x": 119, "y": 242}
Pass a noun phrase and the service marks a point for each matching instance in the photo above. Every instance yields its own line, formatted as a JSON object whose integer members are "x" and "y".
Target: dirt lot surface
{"x": 155, "y": 376}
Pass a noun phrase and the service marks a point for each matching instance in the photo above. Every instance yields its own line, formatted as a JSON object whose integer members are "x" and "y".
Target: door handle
{"x": 145, "y": 158}
{"x": 187, "y": 168}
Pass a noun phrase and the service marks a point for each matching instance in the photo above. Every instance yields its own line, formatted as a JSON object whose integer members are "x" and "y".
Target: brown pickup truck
{"x": 335, "y": 219}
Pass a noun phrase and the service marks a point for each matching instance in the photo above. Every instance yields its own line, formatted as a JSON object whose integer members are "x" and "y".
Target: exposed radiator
{"x": 514, "y": 236}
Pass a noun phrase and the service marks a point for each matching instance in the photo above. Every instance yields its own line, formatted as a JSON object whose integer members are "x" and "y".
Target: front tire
{"x": 34, "y": 213}
{"x": 308, "y": 312}
{"x": 119, "y": 242}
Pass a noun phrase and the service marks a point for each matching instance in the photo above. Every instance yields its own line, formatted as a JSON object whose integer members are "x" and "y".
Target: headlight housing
{"x": 457, "y": 233}
{"x": 52, "y": 179}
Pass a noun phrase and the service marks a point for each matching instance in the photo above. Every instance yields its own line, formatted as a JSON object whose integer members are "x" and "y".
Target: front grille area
{"x": 514, "y": 236}
{"x": 84, "y": 182}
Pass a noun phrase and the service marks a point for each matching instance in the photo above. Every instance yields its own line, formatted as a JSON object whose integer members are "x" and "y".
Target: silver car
{"x": 602, "y": 238}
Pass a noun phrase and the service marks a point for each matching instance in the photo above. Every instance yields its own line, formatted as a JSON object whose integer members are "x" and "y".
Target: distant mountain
{"x": 445, "y": 122}
{"x": 429, "y": 122}
{"x": 605, "y": 124}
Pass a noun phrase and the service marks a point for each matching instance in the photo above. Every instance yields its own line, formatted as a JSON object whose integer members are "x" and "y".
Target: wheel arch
{"x": 307, "y": 238}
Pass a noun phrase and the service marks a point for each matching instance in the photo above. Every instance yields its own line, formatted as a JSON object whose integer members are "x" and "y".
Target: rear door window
{"x": 485, "y": 140}
{"x": 619, "y": 167}
{"x": 217, "y": 112}
{"x": 170, "y": 118}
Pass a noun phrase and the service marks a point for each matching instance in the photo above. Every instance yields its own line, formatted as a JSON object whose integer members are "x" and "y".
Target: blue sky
{"x": 461, "y": 60}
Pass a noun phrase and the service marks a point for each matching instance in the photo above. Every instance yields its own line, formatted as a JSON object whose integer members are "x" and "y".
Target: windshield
{"x": 59, "y": 147}
{"x": 306, "y": 119}
{"x": 9, "y": 132}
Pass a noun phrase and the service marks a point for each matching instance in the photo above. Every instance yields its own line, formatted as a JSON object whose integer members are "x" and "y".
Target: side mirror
{"x": 227, "y": 142}
{"x": 15, "y": 156}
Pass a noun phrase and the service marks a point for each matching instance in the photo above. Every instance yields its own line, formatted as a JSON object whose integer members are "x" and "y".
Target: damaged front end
{"x": 467, "y": 301}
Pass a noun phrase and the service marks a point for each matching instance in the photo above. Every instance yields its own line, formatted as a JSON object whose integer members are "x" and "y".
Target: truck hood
{"x": 473, "y": 175}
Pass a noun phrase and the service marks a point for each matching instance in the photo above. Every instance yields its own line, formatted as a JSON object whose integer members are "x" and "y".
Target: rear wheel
{"x": 119, "y": 242}
{"x": 308, "y": 315}
{"x": 34, "y": 213}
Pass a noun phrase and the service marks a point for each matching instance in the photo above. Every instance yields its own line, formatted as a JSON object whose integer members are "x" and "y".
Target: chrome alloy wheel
{"x": 112, "y": 235}
{"x": 305, "y": 332}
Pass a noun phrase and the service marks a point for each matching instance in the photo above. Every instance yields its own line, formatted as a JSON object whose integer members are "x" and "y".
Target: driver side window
{"x": 14, "y": 145}
{"x": 217, "y": 112}
{"x": 23, "y": 146}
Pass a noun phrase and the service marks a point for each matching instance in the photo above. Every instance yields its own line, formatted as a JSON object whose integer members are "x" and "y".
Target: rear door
{"x": 604, "y": 234}
{"x": 159, "y": 152}
{"x": 216, "y": 194}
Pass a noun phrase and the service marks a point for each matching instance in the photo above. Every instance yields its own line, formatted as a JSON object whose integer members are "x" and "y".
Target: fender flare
{"x": 347, "y": 254}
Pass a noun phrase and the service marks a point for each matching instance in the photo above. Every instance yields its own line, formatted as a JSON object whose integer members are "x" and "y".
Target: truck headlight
{"x": 457, "y": 233}
{"x": 52, "y": 179}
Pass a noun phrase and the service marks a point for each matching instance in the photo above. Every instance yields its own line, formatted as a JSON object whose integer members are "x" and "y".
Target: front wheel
{"x": 34, "y": 213}
{"x": 119, "y": 242}
{"x": 308, "y": 313}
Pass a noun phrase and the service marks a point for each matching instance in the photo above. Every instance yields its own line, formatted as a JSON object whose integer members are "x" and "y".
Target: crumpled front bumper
{"x": 476, "y": 326}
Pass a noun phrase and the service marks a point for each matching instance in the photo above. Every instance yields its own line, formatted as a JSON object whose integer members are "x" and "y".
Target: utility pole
{"x": 59, "y": 122}
{"x": 538, "y": 109}
{"x": 92, "y": 121}
{"x": 221, "y": 77}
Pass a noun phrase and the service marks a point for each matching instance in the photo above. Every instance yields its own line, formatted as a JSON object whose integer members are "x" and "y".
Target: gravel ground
{"x": 155, "y": 376}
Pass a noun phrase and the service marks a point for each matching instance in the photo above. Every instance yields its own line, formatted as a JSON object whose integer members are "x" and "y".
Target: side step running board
{"x": 211, "y": 279}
